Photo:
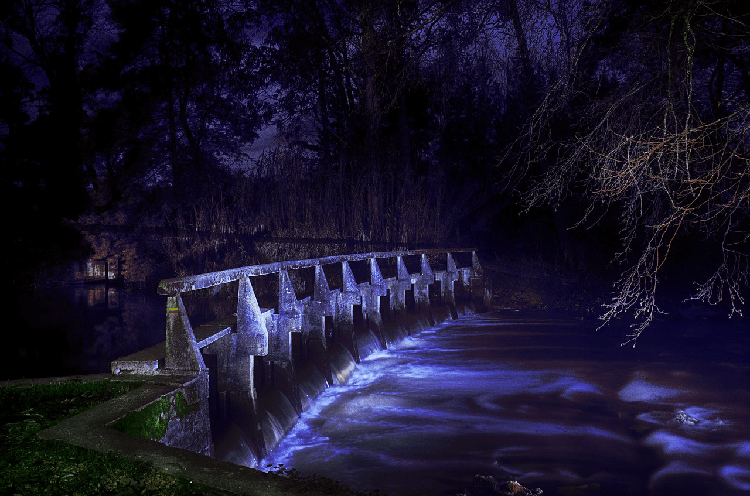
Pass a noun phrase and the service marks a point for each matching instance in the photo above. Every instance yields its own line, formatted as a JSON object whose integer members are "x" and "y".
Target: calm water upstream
{"x": 548, "y": 402}
{"x": 78, "y": 329}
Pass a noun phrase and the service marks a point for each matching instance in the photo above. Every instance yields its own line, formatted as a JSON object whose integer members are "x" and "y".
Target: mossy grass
{"x": 151, "y": 422}
{"x": 55, "y": 402}
{"x": 29, "y": 465}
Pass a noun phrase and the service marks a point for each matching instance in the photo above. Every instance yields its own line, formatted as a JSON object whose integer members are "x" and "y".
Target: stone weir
{"x": 254, "y": 371}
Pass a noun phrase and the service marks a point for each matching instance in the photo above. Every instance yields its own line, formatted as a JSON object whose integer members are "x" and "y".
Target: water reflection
{"x": 79, "y": 329}
{"x": 548, "y": 402}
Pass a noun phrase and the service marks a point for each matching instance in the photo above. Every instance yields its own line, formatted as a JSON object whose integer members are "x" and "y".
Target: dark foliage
{"x": 172, "y": 135}
{"x": 655, "y": 146}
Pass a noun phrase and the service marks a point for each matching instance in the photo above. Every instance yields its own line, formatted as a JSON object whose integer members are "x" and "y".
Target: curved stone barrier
{"x": 262, "y": 367}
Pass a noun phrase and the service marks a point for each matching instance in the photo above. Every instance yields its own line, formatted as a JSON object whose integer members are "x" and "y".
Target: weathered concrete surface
{"x": 149, "y": 361}
{"x": 192, "y": 283}
{"x": 264, "y": 366}
{"x": 191, "y": 431}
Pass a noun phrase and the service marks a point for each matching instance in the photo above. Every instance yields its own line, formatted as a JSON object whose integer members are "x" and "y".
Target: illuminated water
{"x": 550, "y": 403}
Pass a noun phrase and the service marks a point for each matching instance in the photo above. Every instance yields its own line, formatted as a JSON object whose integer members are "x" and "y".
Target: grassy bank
{"x": 30, "y": 466}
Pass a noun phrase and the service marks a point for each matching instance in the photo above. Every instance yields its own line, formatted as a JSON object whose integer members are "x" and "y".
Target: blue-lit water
{"x": 550, "y": 403}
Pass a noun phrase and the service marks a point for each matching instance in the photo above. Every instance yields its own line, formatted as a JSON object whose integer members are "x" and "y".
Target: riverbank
{"x": 31, "y": 465}
{"x": 36, "y": 410}
{"x": 520, "y": 284}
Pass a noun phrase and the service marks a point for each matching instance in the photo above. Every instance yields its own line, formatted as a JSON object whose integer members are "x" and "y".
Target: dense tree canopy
{"x": 613, "y": 124}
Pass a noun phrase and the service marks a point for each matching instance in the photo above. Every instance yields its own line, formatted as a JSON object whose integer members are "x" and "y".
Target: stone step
{"x": 145, "y": 362}
{"x": 151, "y": 360}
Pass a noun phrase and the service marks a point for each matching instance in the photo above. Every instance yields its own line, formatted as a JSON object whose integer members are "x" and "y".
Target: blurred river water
{"x": 551, "y": 403}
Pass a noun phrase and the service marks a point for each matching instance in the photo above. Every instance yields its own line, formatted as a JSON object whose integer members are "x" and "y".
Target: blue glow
{"x": 691, "y": 418}
{"x": 455, "y": 401}
{"x": 678, "y": 467}
{"x": 743, "y": 449}
{"x": 639, "y": 390}
{"x": 737, "y": 477}
{"x": 672, "y": 444}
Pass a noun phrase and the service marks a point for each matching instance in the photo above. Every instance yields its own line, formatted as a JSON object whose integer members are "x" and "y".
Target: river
{"x": 79, "y": 329}
{"x": 551, "y": 403}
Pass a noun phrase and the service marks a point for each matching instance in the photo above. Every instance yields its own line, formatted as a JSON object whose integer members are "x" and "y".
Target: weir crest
{"x": 253, "y": 371}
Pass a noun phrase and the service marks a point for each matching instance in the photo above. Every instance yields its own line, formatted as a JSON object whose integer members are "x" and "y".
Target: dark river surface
{"x": 551, "y": 403}
{"x": 79, "y": 329}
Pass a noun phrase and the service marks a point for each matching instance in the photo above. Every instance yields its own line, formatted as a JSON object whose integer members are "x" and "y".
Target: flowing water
{"x": 551, "y": 403}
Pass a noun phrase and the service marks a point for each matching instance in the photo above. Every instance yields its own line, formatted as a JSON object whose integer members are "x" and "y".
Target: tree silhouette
{"x": 658, "y": 143}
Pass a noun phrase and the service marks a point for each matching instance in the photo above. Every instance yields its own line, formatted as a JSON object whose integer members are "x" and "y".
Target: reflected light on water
{"x": 671, "y": 444}
{"x": 736, "y": 476}
{"x": 429, "y": 413}
{"x": 639, "y": 390}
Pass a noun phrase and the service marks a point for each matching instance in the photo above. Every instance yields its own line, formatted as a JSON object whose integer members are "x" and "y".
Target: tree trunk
{"x": 523, "y": 47}
{"x": 528, "y": 96}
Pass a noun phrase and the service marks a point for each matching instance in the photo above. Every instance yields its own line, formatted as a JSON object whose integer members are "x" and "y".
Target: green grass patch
{"x": 151, "y": 422}
{"x": 181, "y": 406}
{"x": 30, "y": 466}
{"x": 54, "y": 402}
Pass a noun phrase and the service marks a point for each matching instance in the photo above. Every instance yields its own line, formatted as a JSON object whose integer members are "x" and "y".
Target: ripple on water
{"x": 691, "y": 418}
{"x": 438, "y": 407}
{"x": 737, "y": 476}
{"x": 640, "y": 390}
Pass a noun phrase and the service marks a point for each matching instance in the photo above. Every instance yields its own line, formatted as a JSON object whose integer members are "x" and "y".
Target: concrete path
{"x": 89, "y": 430}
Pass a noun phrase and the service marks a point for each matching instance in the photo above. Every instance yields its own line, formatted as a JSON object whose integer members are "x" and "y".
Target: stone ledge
{"x": 89, "y": 430}
{"x": 150, "y": 361}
